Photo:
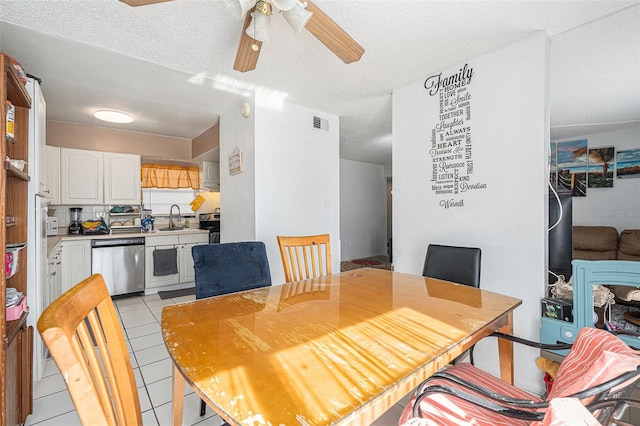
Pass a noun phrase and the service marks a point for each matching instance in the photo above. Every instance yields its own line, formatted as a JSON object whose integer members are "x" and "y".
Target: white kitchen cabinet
{"x": 81, "y": 176}
{"x": 187, "y": 273}
{"x": 121, "y": 178}
{"x": 52, "y": 174}
{"x": 187, "y": 241}
{"x": 211, "y": 175}
{"x": 94, "y": 177}
{"x": 182, "y": 243}
{"x": 76, "y": 262}
{"x": 53, "y": 287}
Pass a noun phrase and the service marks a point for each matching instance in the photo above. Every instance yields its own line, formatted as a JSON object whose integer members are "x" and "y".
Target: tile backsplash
{"x": 88, "y": 213}
{"x": 95, "y": 212}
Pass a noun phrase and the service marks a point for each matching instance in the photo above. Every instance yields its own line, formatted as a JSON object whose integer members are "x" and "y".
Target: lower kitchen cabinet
{"x": 187, "y": 273}
{"x": 18, "y": 381}
{"x": 184, "y": 261}
{"x": 76, "y": 263}
{"x": 54, "y": 280}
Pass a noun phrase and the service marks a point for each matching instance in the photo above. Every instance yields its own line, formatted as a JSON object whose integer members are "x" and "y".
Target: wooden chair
{"x": 305, "y": 252}
{"x": 85, "y": 339}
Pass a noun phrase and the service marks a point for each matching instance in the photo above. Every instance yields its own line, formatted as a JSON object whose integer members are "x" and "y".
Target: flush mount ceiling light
{"x": 299, "y": 14}
{"x": 113, "y": 116}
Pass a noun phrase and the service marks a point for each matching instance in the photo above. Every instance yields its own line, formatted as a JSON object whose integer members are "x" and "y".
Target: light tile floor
{"x": 140, "y": 317}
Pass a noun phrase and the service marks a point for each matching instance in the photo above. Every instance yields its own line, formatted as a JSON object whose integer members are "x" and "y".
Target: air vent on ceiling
{"x": 320, "y": 123}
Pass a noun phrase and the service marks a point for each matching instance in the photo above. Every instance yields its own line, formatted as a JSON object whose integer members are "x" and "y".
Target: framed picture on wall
{"x": 571, "y": 158}
{"x": 553, "y": 166}
{"x": 600, "y": 167}
{"x": 628, "y": 163}
{"x": 235, "y": 162}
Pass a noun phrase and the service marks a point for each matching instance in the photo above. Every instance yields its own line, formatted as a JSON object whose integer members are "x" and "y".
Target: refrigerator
{"x": 37, "y": 294}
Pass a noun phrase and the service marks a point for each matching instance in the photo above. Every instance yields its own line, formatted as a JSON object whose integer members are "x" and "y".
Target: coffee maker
{"x": 75, "y": 222}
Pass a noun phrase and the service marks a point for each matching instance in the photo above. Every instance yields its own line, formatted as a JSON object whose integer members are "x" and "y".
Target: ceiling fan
{"x": 255, "y": 30}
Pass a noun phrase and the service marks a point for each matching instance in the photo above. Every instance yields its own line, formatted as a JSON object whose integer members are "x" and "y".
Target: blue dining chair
{"x": 229, "y": 268}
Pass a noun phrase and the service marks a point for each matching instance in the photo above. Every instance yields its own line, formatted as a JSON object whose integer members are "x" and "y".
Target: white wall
{"x": 363, "y": 209}
{"x": 618, "y": 206}
{"x": 291, "y": 178}
{"x": 237, "y": 193}
{"x": 507, "y": 219}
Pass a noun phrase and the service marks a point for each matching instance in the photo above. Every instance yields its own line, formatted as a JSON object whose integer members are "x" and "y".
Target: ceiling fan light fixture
{"x": 297, "y": 17}
{"x": 258, "y": 29}
{"x": 284, "y": 5}
{"x": 113, "y": 116}
{"x": 264, "y": 7}
{"x": 239, "y": 8}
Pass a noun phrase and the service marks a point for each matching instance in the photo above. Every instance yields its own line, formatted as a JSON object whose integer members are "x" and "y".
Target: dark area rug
{"x": 380, "y": 262}
{"x": 171, "y": 294}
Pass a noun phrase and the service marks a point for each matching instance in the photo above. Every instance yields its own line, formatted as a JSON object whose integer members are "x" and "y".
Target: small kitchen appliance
{"x": 75, "y": 221}
{"x": 52, "y": 226}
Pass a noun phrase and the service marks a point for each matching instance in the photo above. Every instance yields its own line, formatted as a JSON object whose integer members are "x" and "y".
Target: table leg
{"x": 505, "y": 349}
{"x": 178, "y": 396}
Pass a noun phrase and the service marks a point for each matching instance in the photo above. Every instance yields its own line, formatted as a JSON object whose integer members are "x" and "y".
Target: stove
{"x": 210, "y": 221}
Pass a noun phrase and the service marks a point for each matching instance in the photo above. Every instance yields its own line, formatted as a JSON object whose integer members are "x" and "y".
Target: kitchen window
{"x": 160, "y": 200}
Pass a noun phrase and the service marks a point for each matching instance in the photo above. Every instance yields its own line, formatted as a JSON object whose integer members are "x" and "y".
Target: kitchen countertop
{"x": 53, "y": 241}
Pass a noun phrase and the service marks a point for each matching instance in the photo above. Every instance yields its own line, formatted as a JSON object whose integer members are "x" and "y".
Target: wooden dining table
{"x": 335, "y": 350}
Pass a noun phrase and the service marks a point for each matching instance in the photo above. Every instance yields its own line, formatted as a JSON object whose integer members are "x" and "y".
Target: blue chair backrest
{"x": 230, "y": 267}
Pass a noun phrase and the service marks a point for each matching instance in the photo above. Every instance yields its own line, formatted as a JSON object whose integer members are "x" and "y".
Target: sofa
{"x": 604, "y": 243}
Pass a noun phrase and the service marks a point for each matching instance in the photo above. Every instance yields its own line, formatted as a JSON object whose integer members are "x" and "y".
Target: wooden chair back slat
{"x": 92, "y": 365}
{"x": 305, "y": 257}
{"x": 85, "y": 339}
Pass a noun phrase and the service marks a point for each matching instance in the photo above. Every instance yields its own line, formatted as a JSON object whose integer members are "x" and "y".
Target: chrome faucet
{"x": 172, "y": 225}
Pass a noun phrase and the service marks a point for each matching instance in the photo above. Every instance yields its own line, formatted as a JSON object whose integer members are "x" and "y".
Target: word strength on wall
{"x": 451, "y": 148}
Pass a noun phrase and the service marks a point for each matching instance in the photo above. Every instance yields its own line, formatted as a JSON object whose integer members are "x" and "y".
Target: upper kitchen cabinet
{"x": 211, "y": 175}
{"x": 81, "y": 176}
{"x": 52, "y": 174}
{"x": 121, "y": 178}
{"x": 94, "y": 177}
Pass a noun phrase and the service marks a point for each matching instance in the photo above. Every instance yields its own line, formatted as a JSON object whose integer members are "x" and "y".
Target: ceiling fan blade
{"x": 332, "y": 35}
{"x": 141, "y": 2}
{"x": 246, "y": 57}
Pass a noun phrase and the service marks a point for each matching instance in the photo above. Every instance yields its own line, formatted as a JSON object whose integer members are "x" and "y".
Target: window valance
{"x": 169, "y": 176}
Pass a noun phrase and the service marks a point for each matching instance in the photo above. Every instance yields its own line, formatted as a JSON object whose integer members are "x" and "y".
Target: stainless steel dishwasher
{"x": 121, "y": 263}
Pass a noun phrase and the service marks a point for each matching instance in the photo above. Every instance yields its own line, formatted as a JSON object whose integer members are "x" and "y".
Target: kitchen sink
{"x": 177, "y": 228}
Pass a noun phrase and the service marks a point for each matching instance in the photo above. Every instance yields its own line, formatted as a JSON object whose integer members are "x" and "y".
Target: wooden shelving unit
{"x": 16, "y": 351}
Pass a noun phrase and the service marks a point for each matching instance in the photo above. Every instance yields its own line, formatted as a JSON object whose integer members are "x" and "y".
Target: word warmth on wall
{"x": 451, "y": 150}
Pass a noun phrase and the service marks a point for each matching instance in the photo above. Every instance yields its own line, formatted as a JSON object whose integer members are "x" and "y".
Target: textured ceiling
{"x": 170, "y": 64}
